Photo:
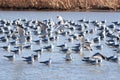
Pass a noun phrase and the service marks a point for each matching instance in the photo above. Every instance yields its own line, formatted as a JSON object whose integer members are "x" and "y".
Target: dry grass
{"x": 60, "y": 4}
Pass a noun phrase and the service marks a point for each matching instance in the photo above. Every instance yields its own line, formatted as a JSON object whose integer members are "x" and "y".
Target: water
{"x": 109, "y": 16}
{"x": 59, "y": 70}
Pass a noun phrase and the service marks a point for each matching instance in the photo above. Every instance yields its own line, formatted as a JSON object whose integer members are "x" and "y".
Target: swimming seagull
{"x": 13, "y": 42}
{"x": 99, "y": 47}
{"x": 62, "y": 46}
{"x": 49, "y": 48}
{"x": 117, "y": 50}
{"x": 68, "y": 57}
{"x": 97, "y": 39}
{"x": 37, "y": 41}
{"x": 10, "y": 57}
{"x": 48, "y": 62}
{"x": 70, "y": 39}
{"x": 3, "y": 39}
{"x": 28, "y": 37}
{"x": 99, "y": 56}
{"x": 66, "y": 50}
{"x": 95, "y": 59}
{"x": 114, "y": 58}
{"x": 29, "y": 59}
{"x": 37, "y": 56}
{"x": 45, "y": 40}
{"x": 92, "y": 61}
{"x": 16, "y": 50}
{"x": 40, "y": 51}
{"x": 34, "y": 56}
{"x": 78, "y": 49}
{"x": 87, "y": 46}
{"x": 27, "y": 46}
{"x": 6, "y": 47}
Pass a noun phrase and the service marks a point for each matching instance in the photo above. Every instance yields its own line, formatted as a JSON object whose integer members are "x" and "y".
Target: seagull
{"x": 6, "y": 47}
{"x": 27, "y": 46}
{"x": 37, "y": 41}
{"x": 66, "y": 50}
{"x": 78, "y": 49}
{"x": 99, "y": 56}
{"x": 61, "y": 23}
{"x": 13, "y": 42}
{"x": 68, "y": 57}
{"x": 21, "y": 30}
{"x": 62, "y": 46}
{"x": 40, "y": 51}
{"x": 3, "y": 39}
{"x": 48, "y": 62}
{"x": 114, "y": 58}
{"x": 99, "y": 47}
{"x": 87, "y": 45}
{"x": 10, "y": 57}
{"x": 16, "y": 50}
{"x": 97, "y": 39}
{"x": 29, "y": 59}
{"x": 49, "y": 48}
{"x": 61, "y": 20}
{"x": 36, "y": 56}
{"x": 95, "y": 61}
{"x": 117, "y": 50}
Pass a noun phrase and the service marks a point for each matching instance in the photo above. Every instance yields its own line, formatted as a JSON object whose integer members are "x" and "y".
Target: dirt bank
{"x": 59, "y": 4}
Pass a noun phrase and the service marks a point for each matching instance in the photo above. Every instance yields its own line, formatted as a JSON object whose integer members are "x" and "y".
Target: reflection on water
{"x": 60, "y": 69}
